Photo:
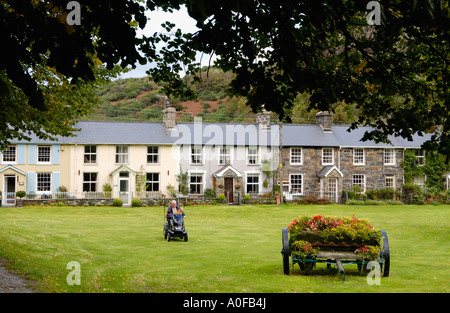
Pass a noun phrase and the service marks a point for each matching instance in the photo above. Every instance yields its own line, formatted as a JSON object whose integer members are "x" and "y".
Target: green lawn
{"x": 230, "y": 249}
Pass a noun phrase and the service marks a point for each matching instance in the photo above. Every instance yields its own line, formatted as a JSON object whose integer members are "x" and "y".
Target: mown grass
{"x": 230, "y": 249}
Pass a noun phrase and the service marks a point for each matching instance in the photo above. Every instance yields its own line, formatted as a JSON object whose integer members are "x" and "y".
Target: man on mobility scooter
{"x": 174, "y": 227}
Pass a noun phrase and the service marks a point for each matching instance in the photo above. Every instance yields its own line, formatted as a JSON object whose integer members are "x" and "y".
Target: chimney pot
{"x": 263, "y": 119}
{"x": 169, "y": 116}
{"x": 323, "y": 118}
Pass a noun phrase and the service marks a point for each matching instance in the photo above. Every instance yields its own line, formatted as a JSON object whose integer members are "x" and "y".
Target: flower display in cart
{"x": 333, "y": 229}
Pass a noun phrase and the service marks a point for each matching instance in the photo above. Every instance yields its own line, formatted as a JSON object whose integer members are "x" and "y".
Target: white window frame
{"x": 301, "y": 184}
{"x": 90, "y": 154}
{"x": 389, "y": 177}
{"x": 152, "y": 182}
{"x": 285, "y": 188}
{"x": 120, "y": 155}
{"x": 196, "y": 154}
{"x": 357, "y": 158}
{"x": 8, "y": 150}
{"x": 38, "y": 154}
{"x": 258, "y": 184}
{"x": 90, "y": 181}
{"x": 153, "y": 154}
{"x": 363, "y": 181}
{"x": 221, "y": 155}
{"x": 291, "y": 156}
{"x": 252, "y": 155}
{"x": 38, "y": 181}
{"x": 202, "y": 184}
{"x": 391, "y": 160}
{"x": 420, "y": 157}
{"x": 424, "y": 180}
{"x": 332, "y": 156}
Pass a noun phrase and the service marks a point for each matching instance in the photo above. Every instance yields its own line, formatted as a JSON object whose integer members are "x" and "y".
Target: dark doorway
{"x": 229, "y": 189}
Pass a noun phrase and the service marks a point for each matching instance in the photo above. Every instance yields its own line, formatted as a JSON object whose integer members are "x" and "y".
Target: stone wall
{"x": 374, "y": 168}
{"x": 310, "y": 168}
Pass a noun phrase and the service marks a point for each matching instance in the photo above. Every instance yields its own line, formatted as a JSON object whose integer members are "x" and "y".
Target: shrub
{"x": 107, "y": 189}
{"x": 382, "y": 193}
{"x": 117, "y": 202}
{"x": 412, "y": 189}
{"x": 372, "y": 202}
{"x": 418, "y": 201}
{"x": 62, "y": 189}
{"x": 247, "y": 197}
{"x": 210, "y": 193}
{"x": 348, "y": 193}
{"x": 392, "y": 202}
{"x": 20, "y": 194}
{"x": 355, "y": 202}
{"x": 221, "y": 198}
{"x": 136, "y": 202}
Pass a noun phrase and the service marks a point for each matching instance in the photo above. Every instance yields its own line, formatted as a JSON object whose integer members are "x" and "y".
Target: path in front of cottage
{"x": 12, "y": 283}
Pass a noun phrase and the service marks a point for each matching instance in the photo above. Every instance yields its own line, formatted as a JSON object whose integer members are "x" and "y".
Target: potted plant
{"x": 222, "y": 198}
{"x": 20, "y": 194}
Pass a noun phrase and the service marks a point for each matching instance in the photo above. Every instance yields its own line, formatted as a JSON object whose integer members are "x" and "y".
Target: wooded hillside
{"x": 140, "y": 99}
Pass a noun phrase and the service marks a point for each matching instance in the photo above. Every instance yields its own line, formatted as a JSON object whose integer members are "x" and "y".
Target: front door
{"x": 9, "y": 190}
{"x": 229, "y": 189}
{"x": 124, "y": 188}
{"x": 333, "y": 189}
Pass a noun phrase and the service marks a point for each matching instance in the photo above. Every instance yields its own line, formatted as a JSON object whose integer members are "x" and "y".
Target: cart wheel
{"x": 285, "y": 250}
{"x": 386, "y": 254}
{"x": 168, "y": 237}
{"x": 186, "y": 237}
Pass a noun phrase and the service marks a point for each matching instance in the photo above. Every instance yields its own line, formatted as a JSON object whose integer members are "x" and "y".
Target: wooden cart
{"x": 339, "y": 255}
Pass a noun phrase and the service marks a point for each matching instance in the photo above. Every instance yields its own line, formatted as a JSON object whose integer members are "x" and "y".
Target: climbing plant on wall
{"x": 434, "y": 167}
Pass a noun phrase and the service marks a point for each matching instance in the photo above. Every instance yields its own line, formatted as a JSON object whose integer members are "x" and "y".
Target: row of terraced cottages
{"x": 143, "y": 159}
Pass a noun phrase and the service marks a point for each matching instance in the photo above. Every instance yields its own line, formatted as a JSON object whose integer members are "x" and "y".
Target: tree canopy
{"x": 50, "y": 66}
{"x": 395, "y": 73}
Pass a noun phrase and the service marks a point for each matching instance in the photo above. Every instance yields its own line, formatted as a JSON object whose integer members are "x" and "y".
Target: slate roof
{"x": 154, "y": 133}
{"x": 314, "y": 136}
{"x": 307, "y": 136}
{"x": 223, "y": 134}
{"x": 121, "y": 133}
{"x": 112, "y": 132}
{"x": 326, "y": 170}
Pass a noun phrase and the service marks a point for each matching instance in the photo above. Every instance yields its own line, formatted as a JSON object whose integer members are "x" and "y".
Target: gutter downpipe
{"x": 75, "y": 176}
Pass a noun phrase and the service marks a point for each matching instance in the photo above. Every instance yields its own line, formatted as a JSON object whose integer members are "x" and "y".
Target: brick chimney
{"x": 169, "y": 116}
{"x": 263, "y": 119}
{"x": 323, "y": 118}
